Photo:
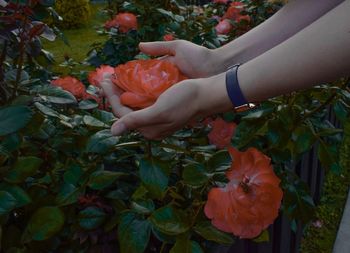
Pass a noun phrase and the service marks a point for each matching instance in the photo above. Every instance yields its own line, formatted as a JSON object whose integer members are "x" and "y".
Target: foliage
{"x": 321, "y": 234}
{"x": 159, "y": 18}
{"x": 68, "y": 185}
{"x": 156, "y": 19}
{"x": 74, "y": 13}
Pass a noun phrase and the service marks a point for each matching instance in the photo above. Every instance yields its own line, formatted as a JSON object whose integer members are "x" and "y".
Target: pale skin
{"x": 298, "y": 56}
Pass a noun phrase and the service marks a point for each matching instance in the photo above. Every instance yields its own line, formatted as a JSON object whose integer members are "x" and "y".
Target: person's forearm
{"x": 319, "y": 53}
{"x": 293, "y": 17}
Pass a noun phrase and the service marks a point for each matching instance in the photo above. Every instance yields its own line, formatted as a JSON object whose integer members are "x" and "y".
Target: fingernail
{"x": 118, "y": 129}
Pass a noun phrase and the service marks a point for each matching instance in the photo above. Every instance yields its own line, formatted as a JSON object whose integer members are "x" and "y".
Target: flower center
{"x": 245, "y": 184}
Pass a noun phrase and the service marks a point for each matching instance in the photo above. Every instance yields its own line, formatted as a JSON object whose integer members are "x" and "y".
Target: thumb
{"x": 132, "y": 121}
{"x": 158, "y": 48}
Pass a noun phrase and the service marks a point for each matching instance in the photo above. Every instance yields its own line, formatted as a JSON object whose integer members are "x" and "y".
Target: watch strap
{"x": 233, "y": 90}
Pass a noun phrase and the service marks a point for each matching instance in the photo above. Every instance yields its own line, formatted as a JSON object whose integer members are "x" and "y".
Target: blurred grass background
{"x": 80, "y": 41}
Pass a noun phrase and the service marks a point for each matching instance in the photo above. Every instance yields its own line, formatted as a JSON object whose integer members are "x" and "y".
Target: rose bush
{"x": 68, "y": 185}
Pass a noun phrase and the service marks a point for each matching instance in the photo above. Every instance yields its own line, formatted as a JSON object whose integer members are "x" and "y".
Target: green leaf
{"x": 106, "y": 117}
{"x": 194, "y": 174}
{"x": 328, "y": 156}
{"x": 154, "y": 175}
{"x": 304, "y": 140}
{"x": 47, "y": 3}
{"x": 22, "y": 198}
{"x": 56, "y": 95}
{"x": 88, "y": 104}
{"x": 170, "y": 221}
{"x": 133, "y": 233}
{"x": 11, "y": 75}
{"x": 140, "y": 192}
{"x": 3, "y": 151}
{"x": 184, "y": 245}
{"x": 7, "y": 202}
{"x": 23, "y": 168}
{"x": 210, "y": 233}
{"x": 11, "y": 142}
{"x": 68, "y": 194}
{"x": 46, "y": 110}
{"x": 73, "y": 174}
{"x": 263, "y": 237}
{"x": 91, "y": 218}
{"x": 101, "y": 142}
{"x": 93, "y": 122}
{"x": 297, "y": 202}
{"x": 102, "y": 179}
{"x": 341, "y": 111}
{"x": 246, "y": 132}
{"x": 14, "y": 118}
{"x": 329, "y": 132}
{"x": 220, "y": 161}
{"x": 259, "y": 113}
{"x": 44, "y": 223}
{"x": 143, "y": 206}
{"x": 177, "y": 18}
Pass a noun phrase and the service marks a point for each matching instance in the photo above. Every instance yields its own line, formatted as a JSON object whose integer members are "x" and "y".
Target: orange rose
{"x": 168, "y": 37}
{"x": 96, "y": 77}
{"x": 77, "y": 88}
{"x": 221, "y": 133}
{"x": 250, "y": 202}
{"x": 245, "y": 18}
{"x": 124, "y": 21}
{"x": 224, "y": 27}
{"x": 234, "y": 13}
{"x": 110, "y": 24}
{"x": 144, "y": 80}
{"x": 72, "y": 85}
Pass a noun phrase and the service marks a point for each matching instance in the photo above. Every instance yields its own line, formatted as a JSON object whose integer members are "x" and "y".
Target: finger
{"x": 158, "y": 48}
{"x": 100, "y": 93}
{"x": 168, "y": 58}
{"x": 112, "y": 93}
{"x": 136, "y": 120}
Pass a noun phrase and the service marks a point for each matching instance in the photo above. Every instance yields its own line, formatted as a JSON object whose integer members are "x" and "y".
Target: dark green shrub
{"x": 68, "y": 185}
{"x": 75, "y": 13}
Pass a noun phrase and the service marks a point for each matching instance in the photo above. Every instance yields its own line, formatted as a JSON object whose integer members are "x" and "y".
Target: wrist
{"x": 212, "y": 95}
{"x": 212, "y": 63}
{"x": 227, "y": 56}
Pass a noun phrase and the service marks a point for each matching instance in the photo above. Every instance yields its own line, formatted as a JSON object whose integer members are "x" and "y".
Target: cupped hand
{"x": 193, "y": 61}
{"x": 173, "y": 109}
{"x": 184, "y": 101}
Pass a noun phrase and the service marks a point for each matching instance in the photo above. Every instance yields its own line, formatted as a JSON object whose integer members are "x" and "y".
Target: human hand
{"x": 193, "y": 61}
{"x": 112, "y": 93}
{"x": 187, "y": 100}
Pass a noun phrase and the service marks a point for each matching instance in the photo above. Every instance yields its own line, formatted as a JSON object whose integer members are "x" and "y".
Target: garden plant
{"x": 68, "y": 185}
